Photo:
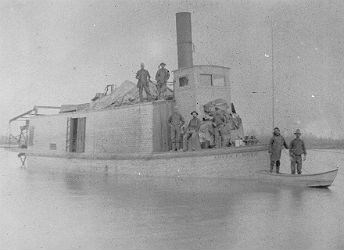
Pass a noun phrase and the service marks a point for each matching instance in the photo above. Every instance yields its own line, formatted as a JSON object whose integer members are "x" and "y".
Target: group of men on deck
{"x": 161, "y": 77}
{"x": 196, "y": 135}
{"x": 190, "y": 133}
{"x": 296, "y": 150}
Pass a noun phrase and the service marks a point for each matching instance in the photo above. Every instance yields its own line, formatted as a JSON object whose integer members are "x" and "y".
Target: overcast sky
{"x": 62, "y": 52}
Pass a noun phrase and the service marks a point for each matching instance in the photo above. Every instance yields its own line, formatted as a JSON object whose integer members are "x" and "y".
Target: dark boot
{"x": 272, "y": 166}
{"x": 278, "y": 163}
{"x": 177, "y": 146}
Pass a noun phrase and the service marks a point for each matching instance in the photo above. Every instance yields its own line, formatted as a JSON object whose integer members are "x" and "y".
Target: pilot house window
{"x": 183, "y": 81}
{"x": 206, "y": 80}
{"x": 212, "y": 80}
{"x": 218, "y": 80}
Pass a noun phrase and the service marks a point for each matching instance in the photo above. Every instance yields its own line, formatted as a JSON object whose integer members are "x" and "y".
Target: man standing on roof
{"x": 143, "y": 78}
{"x": 296, "y": 149}
{"x": 161, "y": 77}
{"x": 176, "y": 121}
{"x": 275, "y": 148}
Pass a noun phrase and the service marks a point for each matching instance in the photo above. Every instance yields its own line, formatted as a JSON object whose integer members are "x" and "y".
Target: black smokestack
{"x": 184, "y": 39}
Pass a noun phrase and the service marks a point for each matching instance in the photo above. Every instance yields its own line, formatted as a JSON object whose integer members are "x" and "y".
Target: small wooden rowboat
{"x": 323, "y": 179}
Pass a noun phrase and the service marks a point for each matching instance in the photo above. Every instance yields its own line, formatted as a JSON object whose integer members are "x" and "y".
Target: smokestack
{"x": 184, "y": 39}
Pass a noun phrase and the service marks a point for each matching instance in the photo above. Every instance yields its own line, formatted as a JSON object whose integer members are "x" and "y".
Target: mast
{"x": 272, "y": 73}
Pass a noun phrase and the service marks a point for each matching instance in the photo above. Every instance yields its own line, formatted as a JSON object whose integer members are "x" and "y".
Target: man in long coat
{"x": 276, "y": 145}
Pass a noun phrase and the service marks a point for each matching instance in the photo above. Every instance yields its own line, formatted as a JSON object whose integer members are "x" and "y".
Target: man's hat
{"x": 276, "y": 128}
{"x": 297, "y": 131}
{"x": 194, "y": 112}
{"x": 162, "y": 64}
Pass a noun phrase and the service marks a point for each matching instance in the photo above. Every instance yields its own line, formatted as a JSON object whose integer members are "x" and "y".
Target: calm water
{"x": 54, "y": 210}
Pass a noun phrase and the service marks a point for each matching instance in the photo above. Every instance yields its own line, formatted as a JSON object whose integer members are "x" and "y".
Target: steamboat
{"x": 117, "y": 134}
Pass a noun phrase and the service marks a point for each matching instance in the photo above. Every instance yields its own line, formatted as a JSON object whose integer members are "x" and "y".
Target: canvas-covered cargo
{"x": 126, "y": 94}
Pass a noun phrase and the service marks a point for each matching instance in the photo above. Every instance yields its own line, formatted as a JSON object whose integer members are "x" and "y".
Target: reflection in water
{"x": 73, "y": 181}
{"x": 80, "y": 210}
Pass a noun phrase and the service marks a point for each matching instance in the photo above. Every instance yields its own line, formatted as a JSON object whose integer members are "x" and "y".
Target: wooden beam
{"x": 47, "y": 107}
{"x": 22, "y": 115}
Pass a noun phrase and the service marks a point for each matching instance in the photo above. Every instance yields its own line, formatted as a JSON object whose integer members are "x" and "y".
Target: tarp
{"x": 127, "y": 93}
{"x": 233, "y": 128}
{"x": 219, "y": 103}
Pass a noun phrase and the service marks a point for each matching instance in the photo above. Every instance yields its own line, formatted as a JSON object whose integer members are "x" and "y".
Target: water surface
{"x": 71, "y": 210}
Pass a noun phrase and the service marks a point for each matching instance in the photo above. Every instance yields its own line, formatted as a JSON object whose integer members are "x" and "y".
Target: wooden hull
{"x": 323, "y": 179}
{"x": 243, "y": 163}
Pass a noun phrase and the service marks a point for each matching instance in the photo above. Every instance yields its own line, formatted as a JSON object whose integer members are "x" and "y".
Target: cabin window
{"x": 75, "y": 139}
{"x": 52, "y": 146}
{"x": 183, "y": 81}
{"x": 206, "y": 80}
{"x": 218, "y": 80}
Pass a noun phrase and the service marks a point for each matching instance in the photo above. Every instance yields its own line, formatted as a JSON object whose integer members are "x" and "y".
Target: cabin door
{"x": 80, "y": 135}
{"x": 76, "y": 128}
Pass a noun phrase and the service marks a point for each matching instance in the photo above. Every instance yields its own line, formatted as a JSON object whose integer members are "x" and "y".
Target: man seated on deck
{"x": 191, "y": 136}
{"x": 206, "y": 133}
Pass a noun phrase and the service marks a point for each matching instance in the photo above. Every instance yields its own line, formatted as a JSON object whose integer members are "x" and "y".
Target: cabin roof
{"x": 202, "y": 65}
{"x": 109, "y": 109}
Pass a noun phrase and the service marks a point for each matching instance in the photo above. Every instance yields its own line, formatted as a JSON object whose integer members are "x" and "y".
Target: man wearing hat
{"x": 161, "y": 77}
{"x": 176, "y": 121}
{"x": 219, "y": 122}
{"x": 191, "y": 134}
{"x": 296, "y": 149}
{"x": 143, "y": 78}
{"x": 275, "y": 148}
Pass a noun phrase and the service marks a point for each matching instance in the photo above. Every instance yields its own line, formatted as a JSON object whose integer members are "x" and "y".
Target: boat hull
{"x": 324, "y": 179}
{"x": 224, "y": 163}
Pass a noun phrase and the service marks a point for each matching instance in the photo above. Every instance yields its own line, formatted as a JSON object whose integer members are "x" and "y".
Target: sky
{"x": 63, "y": 52}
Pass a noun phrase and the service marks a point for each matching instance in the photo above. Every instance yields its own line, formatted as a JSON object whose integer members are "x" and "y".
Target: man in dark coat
{"x": 296, "y": 149}
{"x": 275, "y": 148}
{"x": 143, "y": 78}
